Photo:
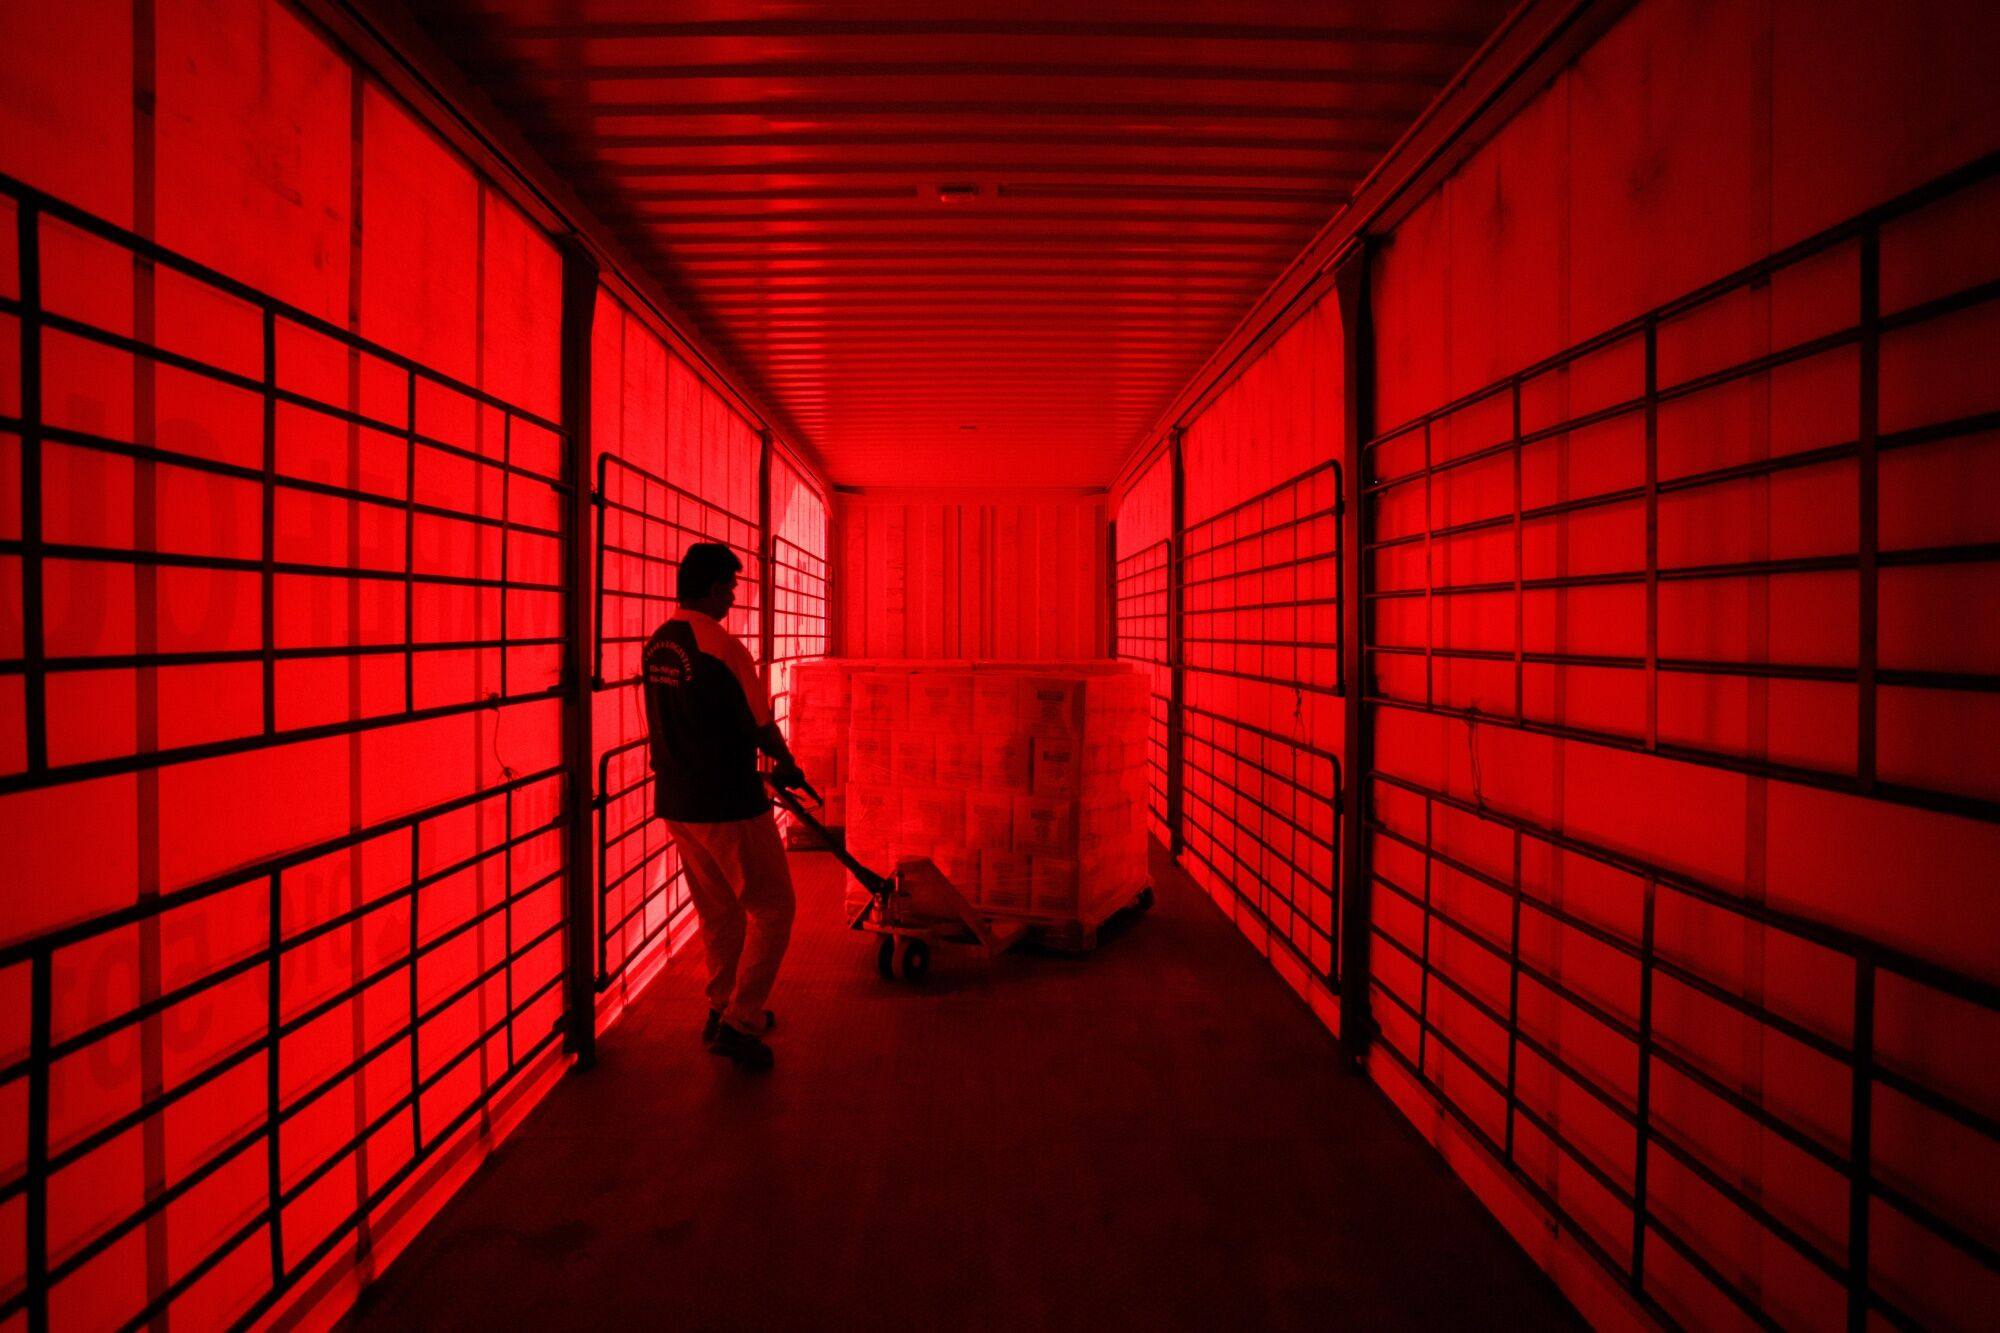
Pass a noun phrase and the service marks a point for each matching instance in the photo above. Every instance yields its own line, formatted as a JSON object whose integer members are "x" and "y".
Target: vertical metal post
{"x": 767, "y": 561}
{"x": 1176, "y": 642}
{"x": 410, "y": 969}
{"x": 267, "y": 577}
{"x": 1357, "y": 1022}
{"x": 274, "y": 1097}
{"x": 1869, "y": 521}
{"x": 28, "y": 256}
{"x": 1643, "y": 1129}
{"x": 1860, "y": 1144}
{"x": 580, "y": 999}
{"x": 1111, "y": 587}
{"x": 1652, "y": 533}
{"x": 41, "y": 1006}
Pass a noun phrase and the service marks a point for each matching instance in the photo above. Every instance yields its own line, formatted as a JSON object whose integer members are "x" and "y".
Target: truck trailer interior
{"x": 1526, "y": 473}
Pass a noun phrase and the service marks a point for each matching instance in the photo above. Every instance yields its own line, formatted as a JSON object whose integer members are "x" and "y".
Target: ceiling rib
{"x": 1010, "y": 217}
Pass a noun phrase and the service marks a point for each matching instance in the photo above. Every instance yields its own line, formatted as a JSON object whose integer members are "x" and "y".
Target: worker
{"x": 707, "y": 716}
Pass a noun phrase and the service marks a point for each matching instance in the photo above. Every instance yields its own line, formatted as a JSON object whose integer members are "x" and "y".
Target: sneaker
{"x": 714, "y": 1022}
{"x": 740, "y": 1047}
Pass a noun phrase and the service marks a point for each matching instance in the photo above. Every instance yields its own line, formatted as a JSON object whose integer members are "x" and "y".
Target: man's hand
{"x": 789, "y": 776}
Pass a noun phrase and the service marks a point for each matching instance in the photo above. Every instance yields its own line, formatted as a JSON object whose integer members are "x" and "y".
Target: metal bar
{"x": 1860, "y": 1164}
{"x": 1111, "y": 586}
{"x": 1268, "y": 493}
{"x": 41, "y": 1005}
{"x": 507, "y": 928}
{"x": 579, "y": 302}
{"x": 1970, "y": 807}
{"x": 273, "y": 1085}
{"x": 122, "y": 764}
{"x": 268, "y": 579}
{"x": 766, "y": 562}
{"x": 603, "y": 800}
{"x": 506, "y": 543}
{"x": 1176, "y": 643}
{"x": 1941, "y": 187}
{"x": 1424, "y": 969}
{"x": 1514, "y": 995}
{"x": 28, "y": 231}
{"x": 1868, "y": 520}
{"x": 1956, "y": 984}
{"x": 1652, "y": 535}
{"x": 1357, "y": 1022}
{"x": 410, "y": 546}
{"x": 416, "y": 1021}
{"x": 1520, "y": 624}
{"x": 1430, "y": 582}
{"x": 1644, "y": 1097}
{"x": 33, "y": 200}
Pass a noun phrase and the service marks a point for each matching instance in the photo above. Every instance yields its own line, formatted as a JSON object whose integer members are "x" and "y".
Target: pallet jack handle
{"x": 879, "y": 886}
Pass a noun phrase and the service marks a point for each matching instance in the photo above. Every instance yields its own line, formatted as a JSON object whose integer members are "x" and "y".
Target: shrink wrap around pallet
{"x": 1023, "y": 782}
{"x": 870, "y": 757}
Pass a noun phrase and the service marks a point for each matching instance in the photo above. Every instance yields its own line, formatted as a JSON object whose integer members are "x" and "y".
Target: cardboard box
{"x": 1044, "y": 826}
{"x": 879, "y": 699}
{"x": 1004, "y": 763}
{"x": 873, "y": 814}
{"x": 821, "y": 767}
{"x": 820, "y": 684}
{"x": 1053, "y": 706}
{"x": 869, "y": 759}
{"x": 1005, "y": 881}
{"x": 932, "y": 817}
{"x": 961, "y": 866}
{"x": 958, "y": 759}
{"x": 1053, "y": 884}
{"x": 913, "y": 759}
{"x": 1119, "y": 694}
{"x": 996, "y": 704}
{"x": 1034, "y": 799}
{"x": 1056, "y": 766}
{"x": 989, "y": 821}
{"x": 941, "y": 701}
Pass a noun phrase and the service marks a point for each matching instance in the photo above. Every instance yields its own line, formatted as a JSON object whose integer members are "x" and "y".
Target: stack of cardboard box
{"x": 1024, "y": 783}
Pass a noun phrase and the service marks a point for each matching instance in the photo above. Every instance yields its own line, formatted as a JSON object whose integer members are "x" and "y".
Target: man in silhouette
{"x": 707, "y": 716}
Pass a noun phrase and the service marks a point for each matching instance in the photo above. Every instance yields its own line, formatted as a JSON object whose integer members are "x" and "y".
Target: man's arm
{"x": 772, "y": 742}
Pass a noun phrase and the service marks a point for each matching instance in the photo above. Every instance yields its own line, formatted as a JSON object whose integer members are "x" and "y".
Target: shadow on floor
{"x": 1157, "y": 1134}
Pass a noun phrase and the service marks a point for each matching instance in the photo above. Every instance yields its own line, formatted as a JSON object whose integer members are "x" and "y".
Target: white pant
{"x": 742, "y": 890}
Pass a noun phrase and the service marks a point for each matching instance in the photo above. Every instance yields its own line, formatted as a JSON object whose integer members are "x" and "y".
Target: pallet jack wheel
{"x": 913, "y": 960}
{"x": 885, "y": 958}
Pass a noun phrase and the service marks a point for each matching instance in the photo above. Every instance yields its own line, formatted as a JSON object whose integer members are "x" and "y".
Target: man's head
{"x": 707, "y": 580}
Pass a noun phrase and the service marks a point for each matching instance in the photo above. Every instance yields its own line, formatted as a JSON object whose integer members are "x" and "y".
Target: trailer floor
{"x": 1157, "y": 1134}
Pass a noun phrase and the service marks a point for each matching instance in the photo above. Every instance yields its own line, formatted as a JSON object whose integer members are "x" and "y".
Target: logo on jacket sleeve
{"x": 668, "y": 664}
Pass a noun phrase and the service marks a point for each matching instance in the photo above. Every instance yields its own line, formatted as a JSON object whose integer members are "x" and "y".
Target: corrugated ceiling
{"x": 976, "y": 249}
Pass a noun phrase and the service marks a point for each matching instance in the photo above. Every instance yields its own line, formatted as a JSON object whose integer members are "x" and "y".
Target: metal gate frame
{"x": 267, "y": 877}
{"x": 1866, "y": 959}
